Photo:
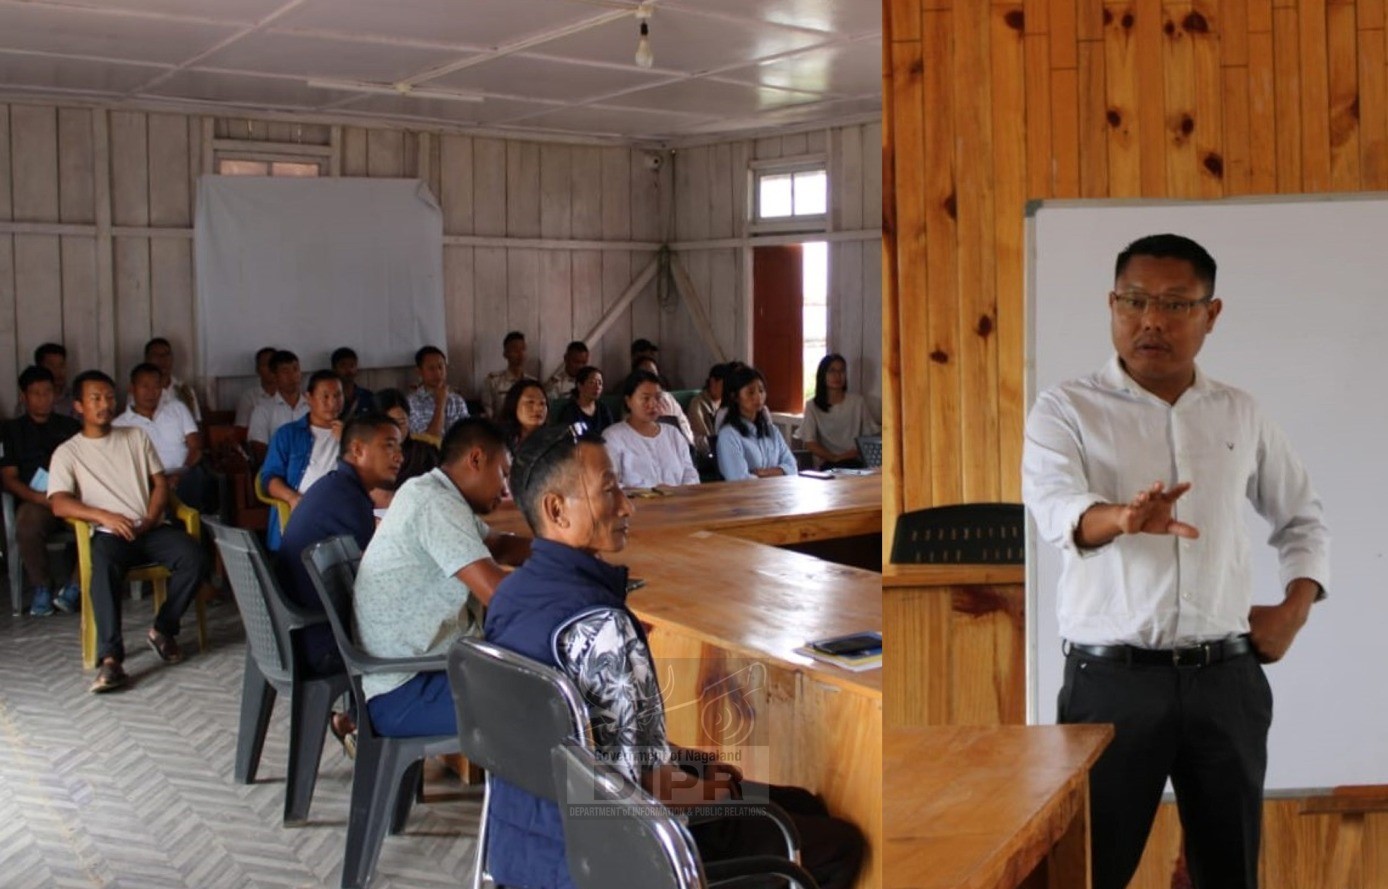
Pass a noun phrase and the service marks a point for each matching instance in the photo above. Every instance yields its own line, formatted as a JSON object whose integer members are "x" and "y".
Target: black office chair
{"x": 971, "y": 533}
{"x": 616, "y": 835}
{"x": 388, "y": 771}
{"x": 512, "y": 712}
{"x": 275, "y": 665}
{"x": 870, "y": 449}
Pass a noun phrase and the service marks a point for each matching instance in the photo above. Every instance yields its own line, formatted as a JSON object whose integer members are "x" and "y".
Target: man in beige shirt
{"x": 112, "y": 478}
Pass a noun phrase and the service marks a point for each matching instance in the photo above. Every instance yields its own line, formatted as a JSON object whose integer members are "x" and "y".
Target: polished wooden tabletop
{"x": 769, "y": 510}
{"x": 980, "y": 806}
{"x": 754, "y": 599}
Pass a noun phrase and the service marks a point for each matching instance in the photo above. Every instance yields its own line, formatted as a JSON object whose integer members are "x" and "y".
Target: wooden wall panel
{"x": 9, "y": 344}
{"x": 1100, "y": 98}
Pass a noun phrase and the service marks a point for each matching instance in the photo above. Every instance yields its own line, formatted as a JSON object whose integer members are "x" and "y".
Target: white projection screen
{"x": 312, "y": 264}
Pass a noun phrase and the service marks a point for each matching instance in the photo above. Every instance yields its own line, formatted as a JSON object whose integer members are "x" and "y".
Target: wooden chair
{"x": 425, "y": 437}
{"x": 1347, "y": 805}
{"x": 280, "y": 507}
{"x": 157, "y": 575}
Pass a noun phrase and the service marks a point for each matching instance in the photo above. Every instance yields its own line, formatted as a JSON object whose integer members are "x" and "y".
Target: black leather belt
{"x": 1193, "y": 656}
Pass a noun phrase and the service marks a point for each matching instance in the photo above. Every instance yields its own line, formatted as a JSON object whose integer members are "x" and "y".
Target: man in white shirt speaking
{"x": 1137, "y": 473}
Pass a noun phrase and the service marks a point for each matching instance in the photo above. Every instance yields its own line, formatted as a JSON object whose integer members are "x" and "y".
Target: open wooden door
{"x": 777, "y": 337}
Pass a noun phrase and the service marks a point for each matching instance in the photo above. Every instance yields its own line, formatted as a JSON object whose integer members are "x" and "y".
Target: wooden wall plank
{"x": 1315, "y": 92}
{"x": 34, "y": 180}
{"x": 1178, "y": 65}
{"x": 1201, "y": 28}
{"x": 462, "y": 306}
{"x": 522, "y": 306}
{"x": 489, "y": 186}
{"x": 17, "y": 357}
{"x": 385, "y": 153}
{"x": 76, "y": 166}
{"x": 1121, "y": 115}
{"x": 586, "y": 205}
{"x": 81, "y": 333}
{"x": 171, "y": 301}
{"x": 555, "y": 312}
{"x": 556, "y": 191}
{"x": 134, "y": 321}
{"x": 1038, "y": 94}
{"x": 6, "y": 160}
{"x": 1287, "y": 96}
{"x": 38, "y": 289}
{"x": 1093, "y": 121}
{"x": 455, "y": 194}
{"x": 169, "y": 179}
{"x": 129, "y": 169}
{"x": 848, "y": 155}
{"x": 1238, "y": 172}
{"x": 522, "y": 189}
{"x": 130, "y": 206}
{"x": 1373, "y": 109}
{"x": 354, "y": 154}
{"x": 1342, "y": 51}
{"x": 1148, "y": 22}
{"x": 1065, "y": 132}
{"x": 720, "y": 190}
{"x": 1262, "y": 114}
{"x": 490, "y": 268}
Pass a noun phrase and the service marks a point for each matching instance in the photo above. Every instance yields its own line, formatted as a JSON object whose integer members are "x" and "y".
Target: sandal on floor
{"x": 346, "y": 737}
{"x": 109, "y": 677}
{"x": 164, "y": 646}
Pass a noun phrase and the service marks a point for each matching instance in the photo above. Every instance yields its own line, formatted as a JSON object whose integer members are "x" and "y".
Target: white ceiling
{"x": 552, "y": 66}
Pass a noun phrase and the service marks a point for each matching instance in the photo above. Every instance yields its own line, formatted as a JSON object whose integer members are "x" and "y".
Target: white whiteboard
{"x": 312, "y": 264}
{"x": 1304, "y": 329}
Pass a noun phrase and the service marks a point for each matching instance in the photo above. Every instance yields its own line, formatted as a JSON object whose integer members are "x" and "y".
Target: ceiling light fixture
{"x": 644, "y": 57}
{"x": 401, "y": 88}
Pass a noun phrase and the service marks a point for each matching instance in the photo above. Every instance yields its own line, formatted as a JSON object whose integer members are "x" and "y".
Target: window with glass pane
{"x": 811, "y": 193}
{"x": 789, "y": 194}
{"x": 228, "y": 167}
{"x": 777, "y": 200}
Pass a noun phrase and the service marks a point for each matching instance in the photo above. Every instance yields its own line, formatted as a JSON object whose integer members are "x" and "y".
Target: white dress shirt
{"x": 251, "y": 399}
{"x": 271, "y": 415}
{"x": 1101, "y": 439}
{"x": 168, "y": 429}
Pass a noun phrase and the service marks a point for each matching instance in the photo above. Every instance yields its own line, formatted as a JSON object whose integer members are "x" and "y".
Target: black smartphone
{"x": 857, "y": 645}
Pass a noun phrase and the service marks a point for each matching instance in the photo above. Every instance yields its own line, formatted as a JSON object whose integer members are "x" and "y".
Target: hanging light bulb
{"x": 644, "y": 57}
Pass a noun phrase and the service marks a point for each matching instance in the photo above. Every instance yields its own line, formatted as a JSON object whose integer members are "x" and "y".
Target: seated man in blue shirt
{"x": 340, "y": 503}
{"x": 304, "y": 450}
{"x": 566, "y": 608}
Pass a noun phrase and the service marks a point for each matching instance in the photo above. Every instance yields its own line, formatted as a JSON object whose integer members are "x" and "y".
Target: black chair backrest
{"x": 870, "y": 449}
{"x": 512, "y": 711}
{"x": 265, "y": 611}
{"x": 332, "y": 566}
{"x": 614, "y": 833}
{"x": 971, "y": 533}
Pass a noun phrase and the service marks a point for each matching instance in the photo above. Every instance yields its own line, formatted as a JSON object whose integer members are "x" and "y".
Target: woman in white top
{"x": 644, "y": 451}
{"x": 748, "y": 445}
{"x": 669, "y": 407}
{"x": 835, "y": 418}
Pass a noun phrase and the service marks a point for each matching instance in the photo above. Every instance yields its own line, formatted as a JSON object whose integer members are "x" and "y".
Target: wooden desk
{"x": 954, "y": 644}
{"x": 989, "y": 807}
{"x": 768, "y": 510}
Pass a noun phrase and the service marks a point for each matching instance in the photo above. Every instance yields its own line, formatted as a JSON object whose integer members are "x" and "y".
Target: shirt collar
{"x": 552, "y": 557}
{"x": 1114, "y": 377}
{"x": 347, "y": 470}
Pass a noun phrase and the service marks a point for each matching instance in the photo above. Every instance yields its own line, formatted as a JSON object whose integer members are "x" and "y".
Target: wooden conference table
{"x": 725, "y": 612}
{"x": 990, "y": 807}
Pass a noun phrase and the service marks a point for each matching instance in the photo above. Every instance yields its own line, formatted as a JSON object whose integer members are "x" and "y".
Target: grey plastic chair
{"x": 388, "y": 771}
{"x": 617, "y": 836}
{"x": 512, "y": 712}
{"x": 969, "y": 533}
{"x": 274, "y": 666}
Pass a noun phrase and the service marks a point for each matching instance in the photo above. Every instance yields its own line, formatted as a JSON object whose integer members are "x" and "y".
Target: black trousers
{"x": 112, "y": 556}
{"x": 1206, "y": 729}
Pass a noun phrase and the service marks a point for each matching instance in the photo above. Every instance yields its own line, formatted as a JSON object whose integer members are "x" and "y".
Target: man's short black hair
{"x": 386, "y": 399}
{"x": 425, "y": 352}
{"x": 157, "y": 341}
{"x": 34, "y": 373}
{"x": 342, "y": 353}
{"x": 265, "y": 350}
{"x": 575, "y": 346}
{"x": 321, "y": 376}
{"x": 1171, "y": 246}
{"x": 469, "y": 433}
{"x": 89, "y": 376}
{"x": 638, "y": 347}
{"x": 281, "y": 358}
{"x": 144, "y": 367}
{"x": 512, "y": 337}
{"x": 540, "y": 463}
{"x": 47, "y": 349}
{"x": 363, "y": 428}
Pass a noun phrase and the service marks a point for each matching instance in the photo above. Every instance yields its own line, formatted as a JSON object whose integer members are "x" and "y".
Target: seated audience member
{"x": 566, "y": 608}
{"x": 499, "y": 382}
{"x": 669, "y": 407}
{"x": 703, "y": 410}
{"x": 287, "y": 406}
{"x": 340, "y": 503}
{"x": 585, "y": 406}
{"x": 434, "y": 408}
{"x": 52, "y": 357}
{"x": 431, "y": 566}
{"x": 159, "y": 353}
{"x": 748, "y": 445}
{"x": 835, "y": 417}
{"x": 262, "y": 393}
{"x": 562, "y": 382}
{"x": 25, "y": 451}
{"x": 305, "y": 450}
{"x": 112, "y": 478}
{"x": 645, "y": 451}
{"x": 524, "y": 410}
{"x": 643, "y": 348}
{"x": 355, "y": 399}
{"x": 419, "y": 456}
{"x": 173, "y": 432}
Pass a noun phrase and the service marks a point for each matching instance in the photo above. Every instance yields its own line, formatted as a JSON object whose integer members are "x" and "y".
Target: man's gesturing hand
{"x": 1150, "y": 512}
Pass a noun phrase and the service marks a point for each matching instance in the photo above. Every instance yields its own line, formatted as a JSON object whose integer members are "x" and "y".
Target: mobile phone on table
{"x": 856, "y": 645}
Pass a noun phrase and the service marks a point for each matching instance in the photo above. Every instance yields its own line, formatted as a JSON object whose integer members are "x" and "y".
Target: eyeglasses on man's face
{"x": 1134, "y": 303}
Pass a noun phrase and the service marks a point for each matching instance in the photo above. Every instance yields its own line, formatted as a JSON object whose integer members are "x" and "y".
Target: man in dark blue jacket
{"x": 566, "y": 607}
